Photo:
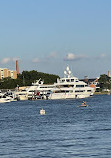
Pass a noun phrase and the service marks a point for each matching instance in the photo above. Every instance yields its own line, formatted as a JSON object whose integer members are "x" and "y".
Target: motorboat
{"x": 5, "y": 99}
{"x": 7, "y": 96}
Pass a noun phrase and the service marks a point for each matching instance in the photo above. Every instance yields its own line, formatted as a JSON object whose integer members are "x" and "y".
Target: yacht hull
{"x": 68, "y": 96}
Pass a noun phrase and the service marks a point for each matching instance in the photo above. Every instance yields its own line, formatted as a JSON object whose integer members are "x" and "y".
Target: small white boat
{"x": 5, "y": 100}
{"x": 42, "y": 111}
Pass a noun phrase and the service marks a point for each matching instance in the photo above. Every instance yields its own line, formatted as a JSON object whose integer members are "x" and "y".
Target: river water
{"x": 65, "y": 131}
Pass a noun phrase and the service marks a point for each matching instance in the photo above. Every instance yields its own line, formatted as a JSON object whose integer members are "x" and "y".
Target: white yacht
{"x": 70, "y": 87}
{"x": 39, "y": 90}
{"x": 5, "y": 100}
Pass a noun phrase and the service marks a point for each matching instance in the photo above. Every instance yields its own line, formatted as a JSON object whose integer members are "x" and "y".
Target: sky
{"x": 48, "y": 35}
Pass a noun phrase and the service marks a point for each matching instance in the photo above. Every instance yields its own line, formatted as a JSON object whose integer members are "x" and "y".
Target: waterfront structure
{"x": 92, "y": 82}
{"x": 4, "y": 73}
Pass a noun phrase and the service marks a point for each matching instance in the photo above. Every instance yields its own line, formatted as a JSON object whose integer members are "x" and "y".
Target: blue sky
{"x": 46, "y": 35}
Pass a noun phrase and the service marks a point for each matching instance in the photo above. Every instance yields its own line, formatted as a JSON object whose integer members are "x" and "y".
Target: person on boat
{"x": 84, "y": 103}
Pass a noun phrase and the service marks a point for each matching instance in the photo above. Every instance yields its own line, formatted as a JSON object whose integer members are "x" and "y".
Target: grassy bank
{"x": 97, "y": 93}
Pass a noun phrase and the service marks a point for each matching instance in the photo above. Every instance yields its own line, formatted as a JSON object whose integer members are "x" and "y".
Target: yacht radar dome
{"x": 65, "y": 72}
{"x": 69, "y": 72}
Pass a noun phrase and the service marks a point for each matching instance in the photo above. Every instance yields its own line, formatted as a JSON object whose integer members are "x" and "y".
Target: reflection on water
{"x": 65, "y": 131}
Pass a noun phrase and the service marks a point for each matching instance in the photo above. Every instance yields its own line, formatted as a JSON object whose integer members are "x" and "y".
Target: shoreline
{"x": 98, "y": 93}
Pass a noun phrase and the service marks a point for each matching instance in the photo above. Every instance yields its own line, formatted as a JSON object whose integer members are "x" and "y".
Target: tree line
{"x": 26, "y": 78}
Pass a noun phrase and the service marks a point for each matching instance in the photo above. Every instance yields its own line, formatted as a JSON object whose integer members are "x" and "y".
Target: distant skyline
{"x": 48, "y": 35}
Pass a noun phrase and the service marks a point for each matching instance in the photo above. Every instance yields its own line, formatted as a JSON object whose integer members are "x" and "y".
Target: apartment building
{"x": 4, "y": 73}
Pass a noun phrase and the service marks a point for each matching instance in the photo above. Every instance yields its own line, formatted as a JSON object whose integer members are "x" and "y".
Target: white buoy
{"x": 42, "y": 111}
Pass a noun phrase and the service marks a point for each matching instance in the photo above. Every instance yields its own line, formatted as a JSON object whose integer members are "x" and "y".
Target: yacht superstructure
{"x": 70, "y": 87}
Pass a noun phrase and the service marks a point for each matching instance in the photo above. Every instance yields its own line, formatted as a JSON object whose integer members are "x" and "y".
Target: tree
{"x": 105, "y": 82}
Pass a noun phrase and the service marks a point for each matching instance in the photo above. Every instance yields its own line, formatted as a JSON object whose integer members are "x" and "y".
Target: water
{"x": 66, "y": 131}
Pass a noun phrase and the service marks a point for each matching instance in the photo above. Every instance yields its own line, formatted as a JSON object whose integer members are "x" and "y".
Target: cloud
{"x": 45, "y": 59}
{"x": 52, "y": 55}
{"x": 73, "y": 57}
{"x": 7, "y": 60}
{"x": 101, "y": 56}
{"x": 36, "y": 60}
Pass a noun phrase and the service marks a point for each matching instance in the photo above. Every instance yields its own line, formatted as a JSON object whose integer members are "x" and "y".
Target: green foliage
{"x": 105, "y": 82}
{"x": 7, "y": 83}
{"x": 26, "y": 79}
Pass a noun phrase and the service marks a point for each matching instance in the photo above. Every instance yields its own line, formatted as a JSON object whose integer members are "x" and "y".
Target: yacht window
{"x": 71, "y": 85}
{"x": 31, "y": 91}
{"x": 63, "y": 80}
{"x": 67, "y": 80}
{"x": 79, "y": 91}
{"x": 77, "y": 81}
{"x": 72, "y": 80}
{"x": 88, "y": 90}
{"x": 63, "y": 91}
{"x": 79, "y": 86}
{"x": 65, "y": 85}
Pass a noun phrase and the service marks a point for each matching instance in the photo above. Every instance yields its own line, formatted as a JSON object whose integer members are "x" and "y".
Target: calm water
{"x": 66, "y": 131}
